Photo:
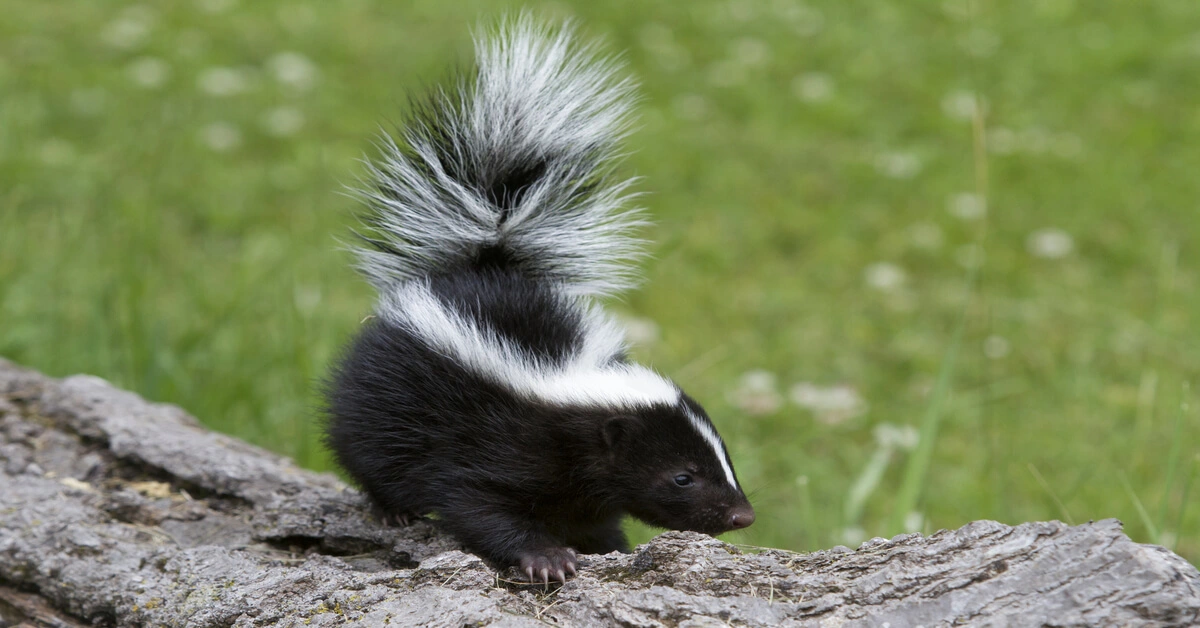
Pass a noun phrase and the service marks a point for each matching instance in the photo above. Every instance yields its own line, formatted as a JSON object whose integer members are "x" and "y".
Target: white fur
{"x": 709, "y": 434}
{"x": 588, "y": 378}
{"x": 537, "y": 96}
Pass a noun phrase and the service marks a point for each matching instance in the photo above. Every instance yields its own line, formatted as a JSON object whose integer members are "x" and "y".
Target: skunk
{"x": 490, "y": 388}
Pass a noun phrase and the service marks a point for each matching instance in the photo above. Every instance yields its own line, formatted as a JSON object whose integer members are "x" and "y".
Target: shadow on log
{"x": 116, "y": 511}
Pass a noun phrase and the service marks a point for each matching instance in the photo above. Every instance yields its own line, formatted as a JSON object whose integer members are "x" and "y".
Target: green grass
{"x": 788, "y": 149}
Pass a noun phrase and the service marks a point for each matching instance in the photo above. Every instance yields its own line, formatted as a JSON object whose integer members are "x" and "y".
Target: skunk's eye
{"x": 683, "y": 479}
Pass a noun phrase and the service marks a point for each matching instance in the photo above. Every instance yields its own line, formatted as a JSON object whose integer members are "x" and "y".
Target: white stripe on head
{"x": 709, "y": 434}
{"x": 589, "y": 378}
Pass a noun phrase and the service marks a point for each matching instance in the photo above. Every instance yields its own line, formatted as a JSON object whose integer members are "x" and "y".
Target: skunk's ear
{"x": 617, "y": 429}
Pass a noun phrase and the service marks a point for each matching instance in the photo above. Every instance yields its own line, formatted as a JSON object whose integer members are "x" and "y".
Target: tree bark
{"x": 116, "y": 511}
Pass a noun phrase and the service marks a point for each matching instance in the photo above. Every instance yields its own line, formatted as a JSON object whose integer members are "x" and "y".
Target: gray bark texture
{"x": 116, "y": 511}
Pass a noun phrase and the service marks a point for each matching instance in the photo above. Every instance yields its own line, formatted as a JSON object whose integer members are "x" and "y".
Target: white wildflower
{"x": 926, "y": 235}
{"x": 995, "y": 347}
{"x": 293, "y": 69}
{"x": 914, "y": 521}
{"x": 967, "y": 206}
{"x": 283, "y": 121}
{"x": 959, "y": 104}
{"x": 130, "y": 30}
{"x": 750, "y": 51}
{"x": 1050, "y": 243}
{"x": 222, "y": 81}
{"x": 756, "y": 393}
{"x": 884, "y": 276}
{"x": 854, "y": 536}
{"x": 149, "y": 72}
{"x": 889, "y": 436}
{"x": 221, "y": 136}
{"x": 306, "y": 297}
{"x": 829, "y": 405}
{"x": 640, "y": 331}
{"x": 813, "y": 87}
{"x": 898, "y": 164}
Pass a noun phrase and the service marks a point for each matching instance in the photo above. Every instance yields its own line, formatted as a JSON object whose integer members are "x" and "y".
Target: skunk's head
{"x": 672, "y": 471}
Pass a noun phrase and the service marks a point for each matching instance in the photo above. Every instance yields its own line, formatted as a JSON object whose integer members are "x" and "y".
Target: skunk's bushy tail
{"x": 510, "y": 166}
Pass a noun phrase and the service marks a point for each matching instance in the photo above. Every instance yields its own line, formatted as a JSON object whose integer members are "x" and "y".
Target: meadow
{"x": 924, "y": 262}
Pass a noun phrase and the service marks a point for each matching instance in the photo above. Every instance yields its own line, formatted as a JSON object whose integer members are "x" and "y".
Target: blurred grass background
{"x": 838, "y": 187}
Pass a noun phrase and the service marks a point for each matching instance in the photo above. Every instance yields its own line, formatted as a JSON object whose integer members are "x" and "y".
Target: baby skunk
{"x": 489, "y": 387}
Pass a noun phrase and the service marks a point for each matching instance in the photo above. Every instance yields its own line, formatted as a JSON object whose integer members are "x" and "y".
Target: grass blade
{"x": 1062, "y": 508}
{"x": 867, "y": 481}
{"x": 917, "y": 466}
{"x": 1187, "y": 492}
{"x": 1173, "y": 458}
{"x": 810, "y": 514}
{"x": 1151, "y": 529}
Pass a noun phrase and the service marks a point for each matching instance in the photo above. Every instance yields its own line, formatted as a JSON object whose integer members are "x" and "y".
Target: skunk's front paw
{"x": 540, "y": 565}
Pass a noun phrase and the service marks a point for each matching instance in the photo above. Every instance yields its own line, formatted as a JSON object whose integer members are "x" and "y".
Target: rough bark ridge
{"x": 118, "y": 511}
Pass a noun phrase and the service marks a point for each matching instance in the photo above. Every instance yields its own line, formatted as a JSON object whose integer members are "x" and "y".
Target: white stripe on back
{"x": 589, "y": 377}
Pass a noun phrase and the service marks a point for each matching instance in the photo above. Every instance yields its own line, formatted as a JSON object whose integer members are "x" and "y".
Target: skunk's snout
{"x": 741, "y": 517}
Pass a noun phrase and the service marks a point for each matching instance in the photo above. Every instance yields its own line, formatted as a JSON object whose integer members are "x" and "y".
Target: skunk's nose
{"x": 741, "y": 517}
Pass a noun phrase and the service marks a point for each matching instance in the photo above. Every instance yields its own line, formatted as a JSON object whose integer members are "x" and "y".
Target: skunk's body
{"x": 489, "y": 388}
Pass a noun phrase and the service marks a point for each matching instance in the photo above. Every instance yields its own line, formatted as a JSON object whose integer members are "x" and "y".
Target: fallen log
{"x": 117, "y": 511}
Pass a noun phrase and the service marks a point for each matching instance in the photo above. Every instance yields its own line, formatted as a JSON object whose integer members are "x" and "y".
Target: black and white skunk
{"x": 489, "y": 387}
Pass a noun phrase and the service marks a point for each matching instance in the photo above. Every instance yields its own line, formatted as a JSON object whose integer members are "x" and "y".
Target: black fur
{"x": 507, "y": 476}
{"x": 518, "y": 480}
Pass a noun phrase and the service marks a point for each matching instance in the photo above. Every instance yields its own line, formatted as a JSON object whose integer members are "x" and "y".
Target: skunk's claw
{"x": 540, "y": 565}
